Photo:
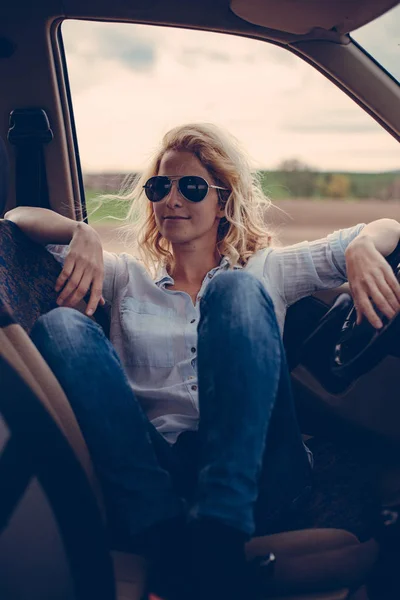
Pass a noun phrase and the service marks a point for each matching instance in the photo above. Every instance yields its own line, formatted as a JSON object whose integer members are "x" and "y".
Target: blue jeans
{"x": 246, "y": 466}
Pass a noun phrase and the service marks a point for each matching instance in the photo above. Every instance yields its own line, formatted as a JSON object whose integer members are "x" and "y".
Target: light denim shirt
{"x": 154, "y": 329}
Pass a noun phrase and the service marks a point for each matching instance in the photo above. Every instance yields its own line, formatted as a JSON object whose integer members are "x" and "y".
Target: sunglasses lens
{"x": 157, "y": 188}
{"x": 193, "y": 188}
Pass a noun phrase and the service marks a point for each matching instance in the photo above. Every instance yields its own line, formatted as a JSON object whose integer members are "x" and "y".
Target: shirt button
{"x": 193, "y": 321}
{"x": 210, "y": 275}
{"x": 194, "y": 387}
{"x": 193, "y": 350}
{"x": 198, "y": 298}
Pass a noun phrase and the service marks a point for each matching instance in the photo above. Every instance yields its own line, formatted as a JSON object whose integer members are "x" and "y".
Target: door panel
{"x": 369, "y": 404}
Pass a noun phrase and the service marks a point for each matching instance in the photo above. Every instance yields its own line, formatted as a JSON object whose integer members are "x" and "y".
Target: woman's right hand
{"x": 83, "y": 269}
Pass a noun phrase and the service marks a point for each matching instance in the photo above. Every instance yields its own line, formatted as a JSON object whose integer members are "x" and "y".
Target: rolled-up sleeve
{"x": 307, "y": 267}
{"x": 111, "y": 262}
{"x": 58, "y": 251}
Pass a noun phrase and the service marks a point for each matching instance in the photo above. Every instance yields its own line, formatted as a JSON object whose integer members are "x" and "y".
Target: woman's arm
{"x": 44, "y": 226}
{"x": 83, "y": 267}
{"x": 384, "y": 233}
{"x": 307, "y": 267}
{"x": 370, "y": 277}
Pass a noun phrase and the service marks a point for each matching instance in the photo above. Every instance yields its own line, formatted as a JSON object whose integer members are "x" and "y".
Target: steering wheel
{"x": 361, "y": 347}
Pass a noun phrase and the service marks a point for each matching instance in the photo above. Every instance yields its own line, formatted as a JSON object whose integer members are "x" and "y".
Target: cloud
{"x": 332, "y": 122}
{"x": 131, "y": 83}
{"x": 95, "y": 50}
{"x": 193, "y": 57}
{"x": 134, "y": 53}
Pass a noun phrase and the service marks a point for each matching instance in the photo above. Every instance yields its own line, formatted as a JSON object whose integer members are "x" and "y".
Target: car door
{"x": 312, "y": 36}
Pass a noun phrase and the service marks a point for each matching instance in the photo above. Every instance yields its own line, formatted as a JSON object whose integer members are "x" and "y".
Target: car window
{"x": 382, "y": 40}
{"x": 324, "y": 161}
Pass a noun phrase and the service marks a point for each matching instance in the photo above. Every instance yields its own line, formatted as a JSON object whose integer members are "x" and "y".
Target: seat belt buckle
{"x": 29, "y": 126}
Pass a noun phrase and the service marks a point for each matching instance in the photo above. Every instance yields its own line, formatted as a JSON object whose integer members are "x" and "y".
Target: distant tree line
{"x": 295, "y": 179}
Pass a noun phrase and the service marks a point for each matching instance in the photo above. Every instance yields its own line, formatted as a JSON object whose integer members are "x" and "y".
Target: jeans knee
{"x": 237, "y": 286}
{"x": 63, "y": 322}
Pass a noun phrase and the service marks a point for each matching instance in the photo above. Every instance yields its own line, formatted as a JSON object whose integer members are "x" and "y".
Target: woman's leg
{"x": 138, "y": 492}
{"x": 244, "y": 389}
{"x": 245, "y": 400}
{"x": 285, "y": 481}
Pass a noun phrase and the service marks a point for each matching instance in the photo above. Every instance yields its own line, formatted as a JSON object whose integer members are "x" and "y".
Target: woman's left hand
{"x": 371, "y": 281}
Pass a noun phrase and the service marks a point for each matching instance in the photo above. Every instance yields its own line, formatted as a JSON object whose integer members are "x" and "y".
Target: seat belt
{"x": 29, "y": 130}
{"x": 4, "y": 176}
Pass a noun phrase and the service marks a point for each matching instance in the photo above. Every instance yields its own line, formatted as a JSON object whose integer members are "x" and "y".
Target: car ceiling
{"x": 302, "y": 17}
{"x": 283, "y": 20}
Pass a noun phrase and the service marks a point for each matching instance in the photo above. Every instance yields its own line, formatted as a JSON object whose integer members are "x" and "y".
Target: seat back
{"x": 64, "y": 531}
{"x": 27, "y": 276}
{"x": 28, "y": 273}
{"x": 48, "y": 507}
{"x": 19, "y": 351}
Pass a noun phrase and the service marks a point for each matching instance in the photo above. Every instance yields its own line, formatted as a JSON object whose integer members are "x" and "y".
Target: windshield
{"x": 381, "y": 39}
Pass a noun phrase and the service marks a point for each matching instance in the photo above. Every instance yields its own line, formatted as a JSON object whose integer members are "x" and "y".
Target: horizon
{"x": 342, "y": 172}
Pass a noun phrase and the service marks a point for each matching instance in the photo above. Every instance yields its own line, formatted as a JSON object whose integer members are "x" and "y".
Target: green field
{"x": 104, "y": 210}
{"x": 313, "y": 184}
{"x": 281, "y": 185}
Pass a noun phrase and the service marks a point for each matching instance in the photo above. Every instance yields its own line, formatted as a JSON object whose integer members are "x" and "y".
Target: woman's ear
{"x": 221, "y": 211}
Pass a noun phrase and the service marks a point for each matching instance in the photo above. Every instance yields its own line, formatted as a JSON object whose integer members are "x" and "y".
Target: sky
{"x": 131, "y": 83}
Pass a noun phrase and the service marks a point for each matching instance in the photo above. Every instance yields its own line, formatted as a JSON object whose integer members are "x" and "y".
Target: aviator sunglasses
{"x": 191, "y": 187}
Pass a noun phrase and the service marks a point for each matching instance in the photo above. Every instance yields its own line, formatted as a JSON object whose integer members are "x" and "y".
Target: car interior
{"x": 53, "y": 545}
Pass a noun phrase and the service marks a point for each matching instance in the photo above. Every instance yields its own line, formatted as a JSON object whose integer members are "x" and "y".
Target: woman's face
{"x": 179, "y": 220}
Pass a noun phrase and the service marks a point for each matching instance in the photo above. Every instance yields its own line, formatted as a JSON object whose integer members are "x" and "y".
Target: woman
{"x": 188, "y": 414}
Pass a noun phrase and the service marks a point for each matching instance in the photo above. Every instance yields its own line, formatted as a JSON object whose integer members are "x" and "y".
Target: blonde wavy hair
{"x": 241, "y": 232}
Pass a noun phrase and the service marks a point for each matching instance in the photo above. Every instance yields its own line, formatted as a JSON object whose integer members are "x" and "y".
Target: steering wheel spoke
{"x": 361, "y": 347}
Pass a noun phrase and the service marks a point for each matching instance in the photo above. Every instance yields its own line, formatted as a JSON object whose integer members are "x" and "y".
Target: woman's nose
{"x": 174, "y": 198}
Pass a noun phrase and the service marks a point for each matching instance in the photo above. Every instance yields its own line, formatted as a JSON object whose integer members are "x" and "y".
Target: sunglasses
{"x": 191, "y": 187}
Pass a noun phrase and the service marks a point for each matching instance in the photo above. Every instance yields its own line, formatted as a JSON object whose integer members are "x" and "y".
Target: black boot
{"x": 218, "y": 564}
{"x": 165, "y": 546}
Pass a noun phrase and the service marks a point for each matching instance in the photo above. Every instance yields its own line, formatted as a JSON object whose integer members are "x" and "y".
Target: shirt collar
{"x": 163, "y": 278}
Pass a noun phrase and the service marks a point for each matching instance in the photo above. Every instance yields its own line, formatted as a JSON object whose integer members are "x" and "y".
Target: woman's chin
{"x": 178, "y": 239}
{"x": 175, "y": 236}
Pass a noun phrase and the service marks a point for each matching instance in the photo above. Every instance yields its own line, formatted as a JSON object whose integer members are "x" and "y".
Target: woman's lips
{"x": 176, "y": 218}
